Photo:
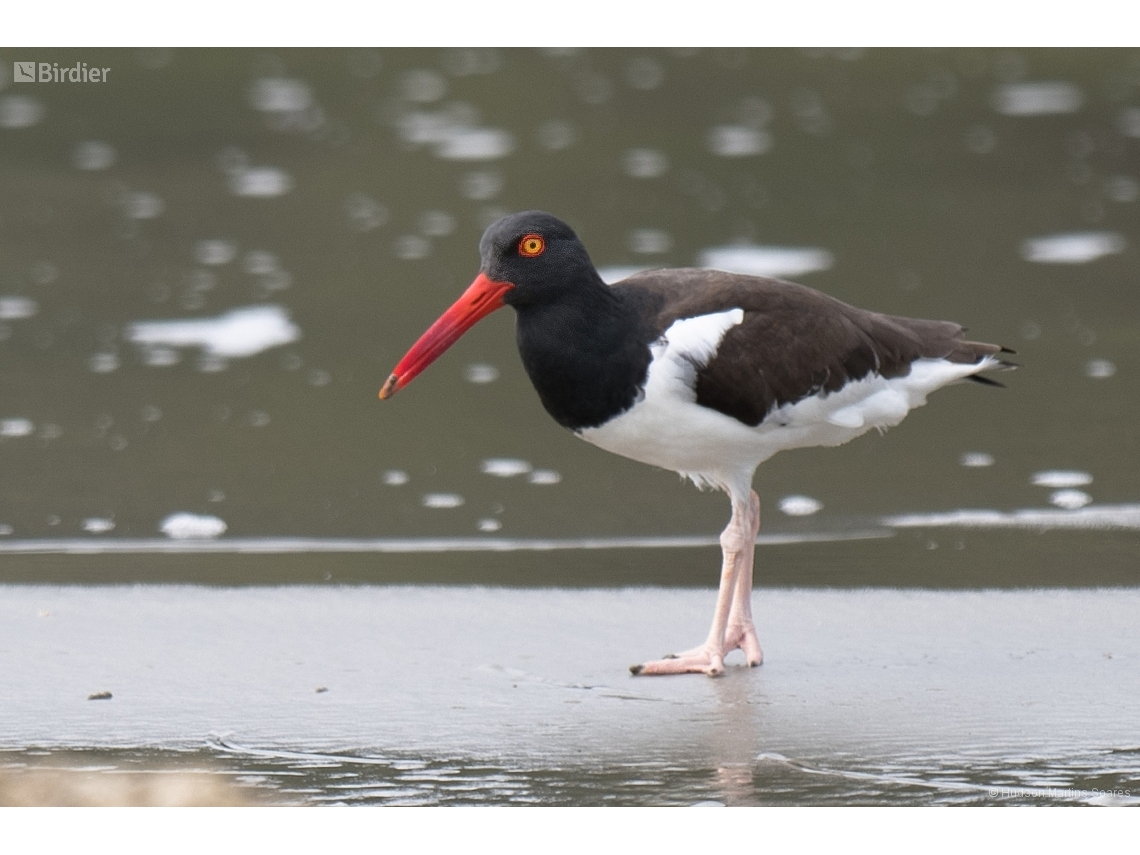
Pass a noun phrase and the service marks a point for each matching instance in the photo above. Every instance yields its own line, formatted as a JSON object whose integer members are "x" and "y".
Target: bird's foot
{"x": 743, "y": 637}
{"x": 700, "y": 660}
{"x": 705, "y": 659}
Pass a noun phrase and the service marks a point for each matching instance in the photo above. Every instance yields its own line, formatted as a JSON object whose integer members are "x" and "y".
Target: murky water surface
{"x": 210, "y": 262}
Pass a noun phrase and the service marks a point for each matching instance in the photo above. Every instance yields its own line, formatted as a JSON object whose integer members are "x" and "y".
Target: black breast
{"x": 588, "y": 353}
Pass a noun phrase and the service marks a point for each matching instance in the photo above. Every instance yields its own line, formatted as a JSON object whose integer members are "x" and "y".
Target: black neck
{"x": 586, "y": 352}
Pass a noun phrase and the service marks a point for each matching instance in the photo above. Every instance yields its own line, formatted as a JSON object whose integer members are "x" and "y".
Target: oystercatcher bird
{"x": 703, "y": 372}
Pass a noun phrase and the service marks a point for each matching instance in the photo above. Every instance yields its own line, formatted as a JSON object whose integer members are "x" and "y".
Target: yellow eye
{"x": 531, "y": 245}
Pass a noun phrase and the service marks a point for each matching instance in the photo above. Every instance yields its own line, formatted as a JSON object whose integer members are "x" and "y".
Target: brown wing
{"x": 794, "y": 341}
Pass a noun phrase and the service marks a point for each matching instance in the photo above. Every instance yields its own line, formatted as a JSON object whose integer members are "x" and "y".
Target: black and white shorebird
{"x": 702, "y": 372}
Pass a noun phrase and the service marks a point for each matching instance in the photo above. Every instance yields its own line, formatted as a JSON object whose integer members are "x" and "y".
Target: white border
{"x": 591, "y": 23}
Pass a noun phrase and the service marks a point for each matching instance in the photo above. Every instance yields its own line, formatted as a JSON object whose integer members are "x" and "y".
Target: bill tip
{"x": 389, "y": 388}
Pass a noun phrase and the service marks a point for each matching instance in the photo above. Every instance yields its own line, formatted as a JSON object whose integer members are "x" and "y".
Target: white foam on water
{"x": 161, "y": 357}
{"x": 16, "y": 427}
{"x": 475, "y": 144}
{"x": 103, "y": 363}
{"x": 395, "y": 477}
{"x": 425, "y": 128}
{"x": 1070, "y": 499}
{"x": 260, "y": 262}
{"x": 215, "y": 251}
{"x": 976, "y": 459}
{"x": 480, "y": 373}
{"x": 1072, "y": 247}
{"x": 412, "y": 247}
{"x": 1099, "y": 369}
{"x": 481, "y": 185}
{"x": 489, "y": 524}
{"x": 1129, "y": 121}
{"x": 644, "y": 163}
{"x": 262, "y": 181}
{"x": 280, "y": 95}
{"x": 767, "y": 260}
{"x": 437, "y": 223}
{"x": 20, "y": 111}
{"x": 738, "y": 141}
{"x": 1038, "y": 98}
{"x": 800, "y": 506}
{"x": 364, "y": 212}
{"x": 1058, "y": 478}
{"x": 649, "y": 241}
{"x": 1093, "y": 517}
{"x": 142, "y": 205}
{"x": 17, "y": 308}
{"x": 237, "y": 333}
{"x": 442, "y": 500}
{"x": 503, "y": 467}
{"x": 424, "y": 85}
{"x": 98, "y": 525}
{"x": 93, "y": 155}
{"x": 454, "y": 134}
{"x": 544, "y": 476}
{"x": 556, "y": 135}
{"x": 187, "y": 526}
{"x": 1122, "y": 189}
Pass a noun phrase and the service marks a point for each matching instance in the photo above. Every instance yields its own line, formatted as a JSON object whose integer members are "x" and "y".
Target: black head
{"x": 537, "y": 253}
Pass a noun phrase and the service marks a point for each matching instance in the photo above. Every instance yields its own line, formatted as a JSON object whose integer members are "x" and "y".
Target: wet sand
{"x": 429, "y": 695}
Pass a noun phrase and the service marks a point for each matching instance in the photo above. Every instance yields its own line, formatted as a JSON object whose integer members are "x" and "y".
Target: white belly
{"x": 667, "y": 428}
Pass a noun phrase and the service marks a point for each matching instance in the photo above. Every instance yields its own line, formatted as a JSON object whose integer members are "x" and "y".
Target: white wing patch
{"x": 695, "y": 340}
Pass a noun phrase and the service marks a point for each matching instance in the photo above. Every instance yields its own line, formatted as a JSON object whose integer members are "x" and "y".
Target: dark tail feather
{"x": 985, "y": 381}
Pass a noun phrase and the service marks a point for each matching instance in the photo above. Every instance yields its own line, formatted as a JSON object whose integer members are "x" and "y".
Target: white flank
{"x": 667, "y": 428}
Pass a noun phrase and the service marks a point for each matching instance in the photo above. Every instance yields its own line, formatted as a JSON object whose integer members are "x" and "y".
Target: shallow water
{"x": 428, "y": 695}
{"x": 210, "y": 263}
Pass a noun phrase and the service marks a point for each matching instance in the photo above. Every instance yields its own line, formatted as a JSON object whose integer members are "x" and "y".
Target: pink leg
{"x": 737, "y": 543}
{"x": 741, "y": 631}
